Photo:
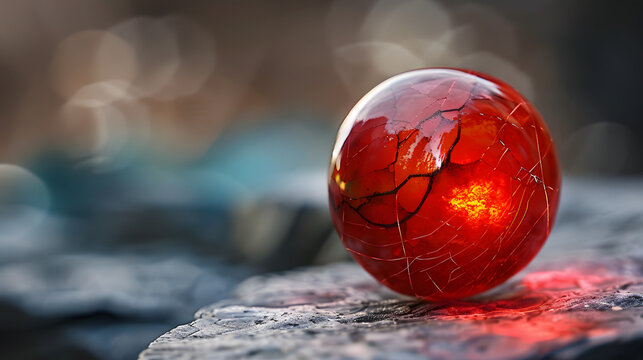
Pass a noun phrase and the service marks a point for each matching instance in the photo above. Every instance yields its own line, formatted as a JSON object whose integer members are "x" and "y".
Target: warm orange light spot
{"x": 481, "y": 201}
{"x": 340, "y": 183}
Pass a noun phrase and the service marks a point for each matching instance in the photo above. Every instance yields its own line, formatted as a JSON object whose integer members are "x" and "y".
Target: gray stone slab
{"x": 581, "y": 298}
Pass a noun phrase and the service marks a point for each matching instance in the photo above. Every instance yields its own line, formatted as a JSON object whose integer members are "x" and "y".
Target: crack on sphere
{"x": 443, "y": 183}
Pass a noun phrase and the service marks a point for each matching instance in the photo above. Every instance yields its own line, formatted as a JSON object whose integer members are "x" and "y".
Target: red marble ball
{"x": 443, "y": 183}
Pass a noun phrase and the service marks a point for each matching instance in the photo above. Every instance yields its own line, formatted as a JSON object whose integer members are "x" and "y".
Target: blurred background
{"x": 155, "y": 153}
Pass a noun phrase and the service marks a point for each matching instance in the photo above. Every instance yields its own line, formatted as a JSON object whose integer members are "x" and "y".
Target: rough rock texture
{"x": 581, "y": 298}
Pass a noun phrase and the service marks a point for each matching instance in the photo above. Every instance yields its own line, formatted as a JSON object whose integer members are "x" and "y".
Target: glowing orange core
{"x": 480, "y": 201}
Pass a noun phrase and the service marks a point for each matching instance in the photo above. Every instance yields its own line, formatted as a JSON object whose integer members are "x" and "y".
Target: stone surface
{"x": 67, "y": 296}
{"x": 443, "y": 183}
{"x": 102, "y": 306}
{"x": 582, "y": 297}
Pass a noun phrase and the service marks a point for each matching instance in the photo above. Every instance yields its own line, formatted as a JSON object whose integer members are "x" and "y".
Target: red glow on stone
{"x": 566, "y": 279}
{"x": 559, "y": 327}
{"x": 443, "y": 183}
{"x": 539, "y": 312}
